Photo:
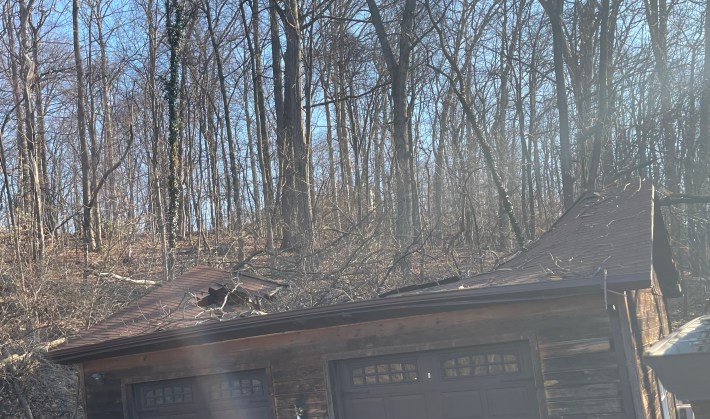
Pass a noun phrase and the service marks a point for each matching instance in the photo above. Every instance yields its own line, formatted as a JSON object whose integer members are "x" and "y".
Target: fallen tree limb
{"x": 127, "y": 279}
{"x": 19, "y": 393}
{"x": 676, "y": 199}
{"x": 11, "y": 358}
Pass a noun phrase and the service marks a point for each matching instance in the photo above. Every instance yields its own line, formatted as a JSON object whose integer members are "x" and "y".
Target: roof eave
{"x": 348, "y": 313}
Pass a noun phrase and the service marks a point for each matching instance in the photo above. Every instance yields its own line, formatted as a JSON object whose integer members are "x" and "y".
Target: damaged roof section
{"x": 614, "y": 235}
{"x": 201, "y": 294}
{"x": 615, "y": 239}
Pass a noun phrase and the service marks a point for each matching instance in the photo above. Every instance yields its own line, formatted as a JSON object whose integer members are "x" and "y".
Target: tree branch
{"x": 682, "y": 198}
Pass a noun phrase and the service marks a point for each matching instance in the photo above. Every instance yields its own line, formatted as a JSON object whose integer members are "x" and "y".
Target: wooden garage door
{"x": 483, "y": 382}
{"x": 237, "y": 395}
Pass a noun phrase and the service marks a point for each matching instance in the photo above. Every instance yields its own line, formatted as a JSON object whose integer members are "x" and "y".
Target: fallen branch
{"x": 19, "y": 393}
{"x": 11, "y": 358}
{"x": 127, "y": 279}
{"x": 684, "y": 199}
{"x": 53, "y": 344}
{"x": 629, "y": 170}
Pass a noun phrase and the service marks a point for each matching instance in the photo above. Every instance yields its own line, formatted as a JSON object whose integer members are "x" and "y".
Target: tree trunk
{"x": 173, "y": 94}
{"x": 285, "y": 178}
{"x": 260, "y": 115}
{"x": 156, "y": 167}
{"x": 325, "y": 83}
{"x": 40, "y": 138}
{"x": 398, "y": 69}
{"x": 439, "y": 165}
{"x": 554, "y": 9}
{"x": 600, "y": 131}
{"x": 252, "y": 128}
{"x": 346, "y": 172}
{"x": 233, "y": 166}
{"x": 107, "y": 124}
{"x": 88, "y": 232}
{"x": 657, "y": 18}
{"x": 702, "y": 175}
{"x": 300, "y": 221}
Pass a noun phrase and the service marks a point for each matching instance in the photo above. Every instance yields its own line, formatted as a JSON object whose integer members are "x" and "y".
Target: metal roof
{"x": 606, "y": 240}
{"x": 691, "y": 338}
{"x": 682, "y": 360}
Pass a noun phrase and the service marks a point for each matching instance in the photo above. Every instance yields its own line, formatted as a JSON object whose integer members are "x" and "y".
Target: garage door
{"x": 475, "y": 382}
{"x": 237, "y": 395}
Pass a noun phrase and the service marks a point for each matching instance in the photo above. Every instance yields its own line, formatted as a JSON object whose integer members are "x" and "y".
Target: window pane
{"x": 479, "y": 364}
{"x": 395, "y": 372}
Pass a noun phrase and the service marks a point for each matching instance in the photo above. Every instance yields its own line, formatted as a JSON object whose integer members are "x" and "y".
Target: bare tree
{"x": 296, "y": 200}
{"x": 88, "y": 232}
{"x": 456, "y": 78}
{"x": 398, "y": 67}
{"x": 173, "y": 94}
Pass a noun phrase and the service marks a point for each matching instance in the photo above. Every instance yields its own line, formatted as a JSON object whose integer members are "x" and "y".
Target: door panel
{"x": 461, "y": 405}
{"x": 236, "y": 395}
{"x": 509, "y": 403}
{"x": 481, "y": 382}
{"x": 408, "y": 406}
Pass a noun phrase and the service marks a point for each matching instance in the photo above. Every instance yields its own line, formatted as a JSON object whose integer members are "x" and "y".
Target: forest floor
{"x": 42, "y": 306}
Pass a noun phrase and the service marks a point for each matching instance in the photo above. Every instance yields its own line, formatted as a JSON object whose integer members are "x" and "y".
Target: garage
{"x": 492, "y": 381}
{"x": 235, "y": 395}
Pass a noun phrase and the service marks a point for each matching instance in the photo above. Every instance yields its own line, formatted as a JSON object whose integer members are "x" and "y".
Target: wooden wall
{"x": 649, "y": 323}
{"x": 579, "y": 373}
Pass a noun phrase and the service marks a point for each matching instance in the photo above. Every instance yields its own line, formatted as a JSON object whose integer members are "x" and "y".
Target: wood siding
{"x": 649, "y": 323}
{"x": 578, "y": 373}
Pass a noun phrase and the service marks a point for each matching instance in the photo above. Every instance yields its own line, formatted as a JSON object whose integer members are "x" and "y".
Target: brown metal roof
{"x": 173, "y": 305}
{"x": 604, "y": 233}
{"x": 604, "y": 241}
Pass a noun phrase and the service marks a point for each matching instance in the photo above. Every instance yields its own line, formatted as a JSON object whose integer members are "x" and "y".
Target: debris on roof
{"x": 202, "y": 294}
{"x": 616, "y": 233}
{"x": 615, "y": 238}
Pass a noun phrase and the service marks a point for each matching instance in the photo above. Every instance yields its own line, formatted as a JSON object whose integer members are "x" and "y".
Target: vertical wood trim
{"x": 269, "y": 373}
{"x": 127, "y": 399}
{"x": 665, "y": 327}
{"x": 331, "y": 387}
{"x": 536, "y": 364}
{"x": 82, "y": 389}
{"x": 624, "y": 347}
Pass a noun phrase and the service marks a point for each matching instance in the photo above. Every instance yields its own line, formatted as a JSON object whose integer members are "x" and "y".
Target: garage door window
{"x": 479, "y": 365}
{"x": 164, "y": 394}
{"x": 242, "y": 395}
{"x": 482, "y": 382}
{"x": 389, "y": 373}
{"x": 235, "y": 386}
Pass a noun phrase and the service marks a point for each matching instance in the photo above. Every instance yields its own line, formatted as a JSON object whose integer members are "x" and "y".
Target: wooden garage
{"x": 557, "y": 331}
